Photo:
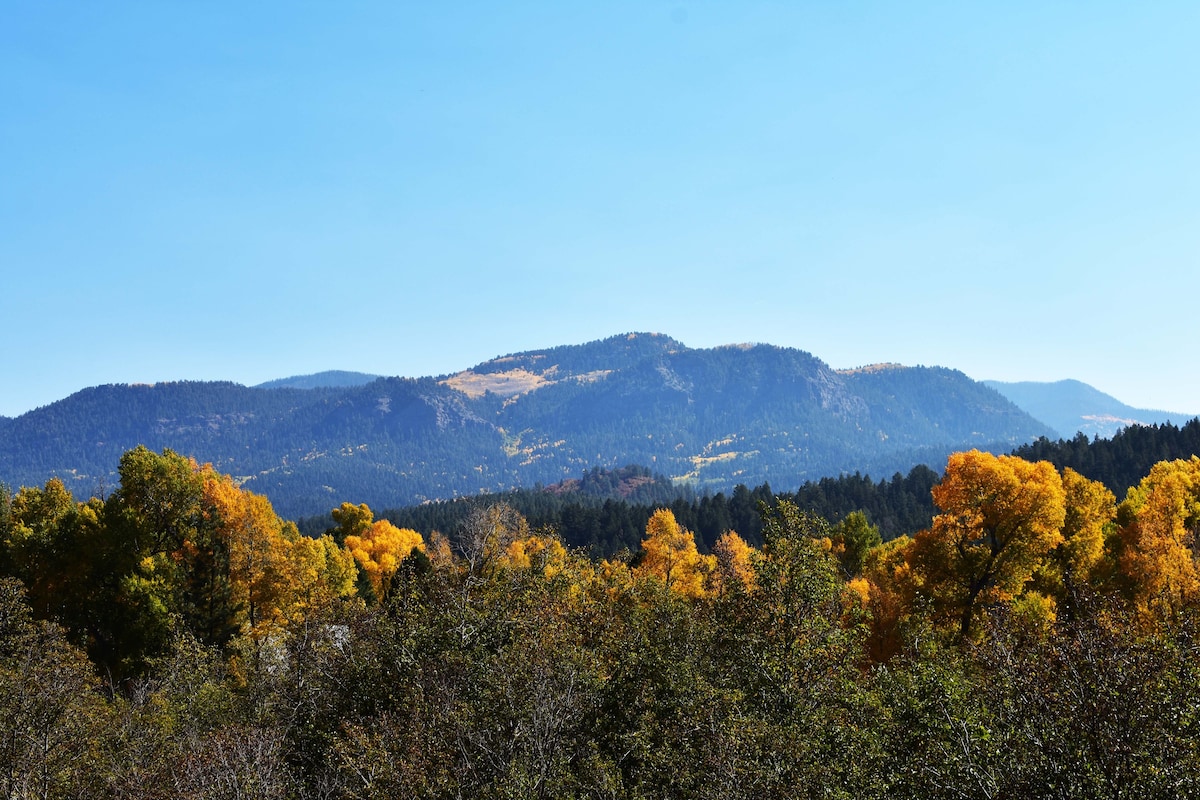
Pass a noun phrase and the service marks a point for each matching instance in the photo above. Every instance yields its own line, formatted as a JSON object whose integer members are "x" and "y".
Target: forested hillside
{"x": 711, "y": 418}
{"x": 320, "y": 380}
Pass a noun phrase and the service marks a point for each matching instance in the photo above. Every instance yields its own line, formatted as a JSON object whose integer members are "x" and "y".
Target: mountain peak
{"x": 868, "y": 369}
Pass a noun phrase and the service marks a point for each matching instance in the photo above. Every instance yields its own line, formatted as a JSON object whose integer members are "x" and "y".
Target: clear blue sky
{"x": 247, "y": 191}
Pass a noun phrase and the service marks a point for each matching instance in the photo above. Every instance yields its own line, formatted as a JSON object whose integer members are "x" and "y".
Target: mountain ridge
{"x": 332, "y": 378}
{"x": 712, "y": 417}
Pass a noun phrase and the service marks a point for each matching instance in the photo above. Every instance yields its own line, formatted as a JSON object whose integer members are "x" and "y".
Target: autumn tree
{"x": 734, "y": 564}
{"x": 262, "y": 570}
{"x": 1159, "y": 521}
{"x": 324, "y": 572}
{"x": 891, "y": 588}
{"x": 377, "y": 546}
{"x": 1001, "y": 516}
{"x": 537, "y": 551}
{"x": 669, "y": 554}
{"x": 1090, "y": 512}
{"x": 486, "y": 534}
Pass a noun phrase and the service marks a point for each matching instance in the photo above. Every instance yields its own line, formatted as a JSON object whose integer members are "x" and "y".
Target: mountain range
{"x": 717, "y": 417}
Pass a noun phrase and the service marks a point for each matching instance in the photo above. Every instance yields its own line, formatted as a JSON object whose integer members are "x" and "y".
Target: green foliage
{"x": 857, "y": 536}
{"x": 50, "y": 713}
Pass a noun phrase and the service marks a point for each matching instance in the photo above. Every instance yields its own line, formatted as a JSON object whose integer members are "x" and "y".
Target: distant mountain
{"x": 1071, "y": 407}
{"x": 321, "y": 380}
{"x": 713, "y": 418}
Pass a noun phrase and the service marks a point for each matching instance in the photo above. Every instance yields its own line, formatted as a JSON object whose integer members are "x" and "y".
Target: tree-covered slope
{"x": 731, "y": 414}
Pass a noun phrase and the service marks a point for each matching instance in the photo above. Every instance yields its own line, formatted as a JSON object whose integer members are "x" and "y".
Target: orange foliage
{"x": 262, "y": 575}
{"x": 892, "y": 587}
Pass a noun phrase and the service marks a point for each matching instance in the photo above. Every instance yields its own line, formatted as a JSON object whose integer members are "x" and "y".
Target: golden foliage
{"x": 1090, "y": 511}
{"x": 537, "y": 552}
{"x": 669, "y": 554}
{"x": 1001, "y": 517}
{"x": 1158, "y": 538}
{"x": 856, "y": 601}
{"x": 380, "y": 550}
{"x": 324, "y": 572}
{"x": 892, "y": 588}
{"x": 734, "y": 563}
{"x": 260, "y": 572}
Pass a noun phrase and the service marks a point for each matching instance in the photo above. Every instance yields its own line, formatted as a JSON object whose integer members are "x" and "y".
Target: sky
{"x": 248, "y": 191}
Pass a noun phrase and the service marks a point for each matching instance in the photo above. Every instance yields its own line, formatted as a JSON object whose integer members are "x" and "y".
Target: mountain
{"x": 744, "y": 414}
{"x": 320, "y": 380}
{"x": 1071, "y": 407}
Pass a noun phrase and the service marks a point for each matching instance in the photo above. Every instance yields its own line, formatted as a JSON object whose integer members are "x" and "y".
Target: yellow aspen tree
{"x": 734, "y": 563}
{"x": 616, "y": 578}
{"x": 379, "y": 551}
{"x": 1159, "y": 522}
{"x": 324, "y": 572}
{"x": 536, "y": 552}
{"x": 669, "y": 553}
{"x": 1001, "y": 517}
{"x": 262, "y": 575}
{"x": 1090, "y": 510}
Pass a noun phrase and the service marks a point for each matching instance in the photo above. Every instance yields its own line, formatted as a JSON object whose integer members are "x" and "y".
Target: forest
{"x": 604, "y": 522}
{"x": 606, "y": 510}
{"x": 178, "y": 638}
